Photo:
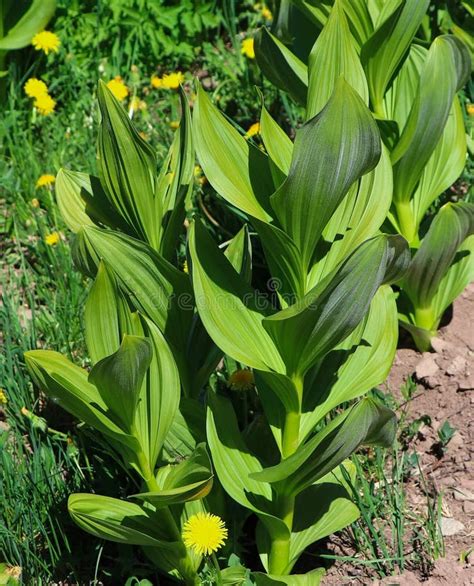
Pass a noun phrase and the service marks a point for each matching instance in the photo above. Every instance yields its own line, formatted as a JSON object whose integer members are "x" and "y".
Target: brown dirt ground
{"x": 445, "y": 391}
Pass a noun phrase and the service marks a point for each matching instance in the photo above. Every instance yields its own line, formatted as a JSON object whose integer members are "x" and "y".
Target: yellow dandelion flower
{"x": 46, "y": 41}
{"x": 470, "y": 109}
{"x": 118, "y": 88}
{"x": 156, "y": 81}
{"x": 45, "y": 104}
{"x": 45, "y": 180}
{"x": 241, "y": 380}
{"x": 35, "y": 202}
{"x": 3, "y": 397}
{"x": 185, "y": 267}
{"x": 34, "y": 88}
{"x": 248, "y": 49}
{"x": 172, "y": 81}
{"x": 52, "y": 239}
{"x": 204, "y": 533}
{"x": 266, "y": 13}
{"x": 253, "y": 130}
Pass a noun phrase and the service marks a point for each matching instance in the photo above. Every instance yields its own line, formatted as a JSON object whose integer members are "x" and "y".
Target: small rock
{"x": 426, "y": 367}
{"x": 468, "y": 507}
{"x": 439, "y": 345}
{"x": 457, "y": 366}
{"x": 463, "y": 494}
{"x": 467, "y": 384}
{"x": 450, "y": 526}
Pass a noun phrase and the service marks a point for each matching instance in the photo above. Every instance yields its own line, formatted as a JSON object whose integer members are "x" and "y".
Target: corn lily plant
{"x": 412, "y": 91}
{"x": 317, "y": 206}
{"x": 139, "y": 318}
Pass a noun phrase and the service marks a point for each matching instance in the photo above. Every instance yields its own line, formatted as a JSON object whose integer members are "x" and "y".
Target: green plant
{"x": 330, "y": 332}
{"x": 412, "y": 92}
{"x": 19, "y": 22}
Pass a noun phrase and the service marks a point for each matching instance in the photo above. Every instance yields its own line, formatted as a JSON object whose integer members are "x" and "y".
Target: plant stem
{"x": 426, "y": 320}
{"x": 406, "y": 221}
{"x": 280, "y": 547}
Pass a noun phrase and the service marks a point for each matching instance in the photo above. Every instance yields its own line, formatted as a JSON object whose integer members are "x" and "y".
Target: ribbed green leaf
{"x": 186, "y": 481}
{"x": 451, "y": 226}
{"x": 281, "y": 66}
{"x": 33, "y": 21}
{"x": 116, "y": 520}
{"x": 366, "y": 423}
{"x": 310, "y": 328}
{"x": 332, "y": 150}
{"x": 357, "y": 218}
{"x": 127, "y": 167}
{"x": 445, "y": 71}
{"x": 72, "y": 206}
{"x": 234, "y": 464}
{"x": 312, "y": 578}
{"x": 227, "y": 305}
{"x": 239, "y": 253}
{"x": 236, "y": 169}
{"x": 277, "y": 143}
{"x": 444, "y": 166}
{"x": 386, "y": 48}
{"x": 68, "y": 385}
{"x": 107, "y": 316}
{"x": 361, "y": 362}
{"x": 156, "y": 288}
{"x": 159, "y": 395}
{"x": 333, "y": 55}
{"x": 119, "y": 378}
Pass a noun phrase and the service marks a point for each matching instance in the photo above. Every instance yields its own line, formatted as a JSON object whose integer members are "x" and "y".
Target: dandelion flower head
{"x": 247, "y": 48}
{"x": 172, "y": 81}
{"x": 46, "y": 41}
{"x": 52, "y": 239}
{"x": 45, "y": 104}
{"x": 253, "y": 130}
{"x": 204, "y": 533}
{"x": 118, "y": 88}
{"x": 45, "y": 180}
{"x": 34, "y": 88}
{"x": 156, "y": 81}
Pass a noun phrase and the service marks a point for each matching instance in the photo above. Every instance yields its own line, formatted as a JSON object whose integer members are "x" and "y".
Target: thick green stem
{"x": 426, "y": 320}
{"x": 406, "y": 221}
{"x": 166, "y": 520}
{"x": 280, "y": 547}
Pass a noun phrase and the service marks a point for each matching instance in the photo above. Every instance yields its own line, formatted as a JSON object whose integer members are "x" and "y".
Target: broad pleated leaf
{"x": 387, "y": 47}
{"x": 334, "y": 55}
{"x": 234, "y": 464}
{"x": 332, "y": 150}
{"x": 312, "y": 578}
{"x": 227, "y": 305}
{"x": 236, "y": 169}
{"x": 159, "y": 395}
{"x": 119, "y": 377}
{"x": 277, "y": 143}
{"x": 107, "y": 316}
{"x": 117, "y": 520}
{"x": 69, "y": 185}
{"x": 321, "y": 510}
{"x": 361, "y": 362}
{"x": 127, "y": 168}
{"x": 446, "y": 69}
{"x": 68, "y": 385}
{"x": 156, "y": 288}
{"x": 451, "y": 226}
{"x": 281, "y": 66}
{"x": 366, "y": 423}
{"x": 189, "y": 480}
{"x": 357, "y": 218}
{"x": 33, "y": 21}
{"x": 311, "y": 327}
{"x": 239, "y": 253}
{"x": 445, "y": 165}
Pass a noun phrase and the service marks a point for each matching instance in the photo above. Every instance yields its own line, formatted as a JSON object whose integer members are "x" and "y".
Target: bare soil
{"x": 445, "y": 391}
